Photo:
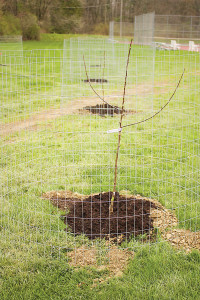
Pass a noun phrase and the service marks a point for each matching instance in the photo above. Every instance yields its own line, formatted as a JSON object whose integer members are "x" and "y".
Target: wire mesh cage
{"x": 120, "y": 30}
{"x": 58, "y": 155}
{"x": 181, "y": 28}
{"x": 11, "y": 44}
{"x": 11, "y": 40}
{"x": 11, "y": 52}
{"x": 144, "y": 29}
{"x": 174, "y": 32}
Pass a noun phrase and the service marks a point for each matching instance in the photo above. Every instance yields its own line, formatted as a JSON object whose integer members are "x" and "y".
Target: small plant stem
{"x": 119, "y": 134}
{"x": 104, "y": 64}
{"x": 102, "y": 98}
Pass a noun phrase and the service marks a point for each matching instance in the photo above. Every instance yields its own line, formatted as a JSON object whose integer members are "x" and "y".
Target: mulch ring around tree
{"x": 133, "y": 215}
{"x": 89, "y": 215}
{"x": 92, "y": 217}
{"x": 96, "y": 80}
{"x": 106, "y": 109}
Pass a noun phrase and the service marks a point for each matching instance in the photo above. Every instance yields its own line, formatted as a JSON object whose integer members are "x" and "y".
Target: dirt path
{"x": 72, "y": 107}
{"x": 48, "y": 115}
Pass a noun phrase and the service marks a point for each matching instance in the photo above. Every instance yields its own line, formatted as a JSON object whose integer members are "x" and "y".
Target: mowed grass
{"x": 159, "y": 273}
{"x": 158, "y": 159}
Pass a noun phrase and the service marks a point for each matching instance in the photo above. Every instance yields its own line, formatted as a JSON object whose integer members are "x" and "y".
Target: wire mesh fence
{"x": 11, "y": 51}
{"x": 58, "y": 158}
{"x": 120, "y": 30}
{"x": 144, "y": 29}
{"x": 11, "y": 39}
{"x": 12, "y": 44}
{"x": 181, "y": 28}
{"x": 159, "y": 28}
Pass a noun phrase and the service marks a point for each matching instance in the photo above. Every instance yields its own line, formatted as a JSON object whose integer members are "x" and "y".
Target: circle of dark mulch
{"x": 105, "y": 109}
{"x": 130, "y": 217}
{"x": 96, "y": 80}
{"x": 95, "y": 66}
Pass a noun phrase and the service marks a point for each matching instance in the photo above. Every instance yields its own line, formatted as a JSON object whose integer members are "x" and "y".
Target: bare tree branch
{"x": 161, "y": 108}
{"x": 120, "y": 131}
{"x": 104, "y": 65}
{"x": 93, "y": 88}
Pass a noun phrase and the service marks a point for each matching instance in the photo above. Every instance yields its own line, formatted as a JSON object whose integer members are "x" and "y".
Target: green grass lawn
{"x": 158, "y": 159}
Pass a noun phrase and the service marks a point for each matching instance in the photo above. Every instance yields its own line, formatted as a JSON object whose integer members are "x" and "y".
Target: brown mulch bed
{"x": 92, "y": 218}
{"x": 146, "y": 213}
{"x": 96, "y": 80}
{"x": 131, "y": 216}
{"x": 106, "y": 109}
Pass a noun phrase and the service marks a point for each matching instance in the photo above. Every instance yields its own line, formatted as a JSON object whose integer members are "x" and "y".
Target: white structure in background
{"x": 174, "y": 45}
{"x": 192, "y": 46}
{"x": 120, "y": 30}
{"x": 144, "y": 29}
{"x": 111, "y": 30}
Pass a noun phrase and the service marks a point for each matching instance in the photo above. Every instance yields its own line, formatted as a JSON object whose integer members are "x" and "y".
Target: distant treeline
{"x": 30, "y": 17}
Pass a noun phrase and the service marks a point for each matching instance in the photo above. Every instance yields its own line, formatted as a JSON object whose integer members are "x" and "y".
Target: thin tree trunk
{"x": 119, "y": 134}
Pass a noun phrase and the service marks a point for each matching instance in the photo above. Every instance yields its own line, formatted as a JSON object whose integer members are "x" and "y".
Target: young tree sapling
{"x": 119, "y": 130}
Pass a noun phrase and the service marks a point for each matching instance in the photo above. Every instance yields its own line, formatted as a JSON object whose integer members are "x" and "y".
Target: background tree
{"x": 85, "y": 16}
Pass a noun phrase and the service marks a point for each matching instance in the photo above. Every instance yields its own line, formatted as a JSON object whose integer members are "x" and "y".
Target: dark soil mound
{"x": 103, "y": 109}
{"x": 97, "y": 80}
{"x": 91, "y": 216}
{"x": 95, "y": 66}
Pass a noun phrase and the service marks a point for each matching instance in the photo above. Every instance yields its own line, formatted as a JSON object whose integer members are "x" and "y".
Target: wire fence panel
{"x": 181, "y": 28}
{"x": 158, "y": 28}
{"x": 144, "y": 29}
{"x": 121, "y": 30}
{"x": 111, "y": 30}
{"x": 95, "y": 60}
{"x": 11, "y": 43}
{"x": 58, "y": 150}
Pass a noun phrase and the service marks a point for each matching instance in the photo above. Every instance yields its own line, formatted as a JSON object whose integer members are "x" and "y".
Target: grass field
{"x": 158, "y": 159}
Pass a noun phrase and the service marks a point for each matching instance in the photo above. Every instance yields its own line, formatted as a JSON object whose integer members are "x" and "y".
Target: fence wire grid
{"x": 158, "y": 28}
{"x": 58, "y": 160}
